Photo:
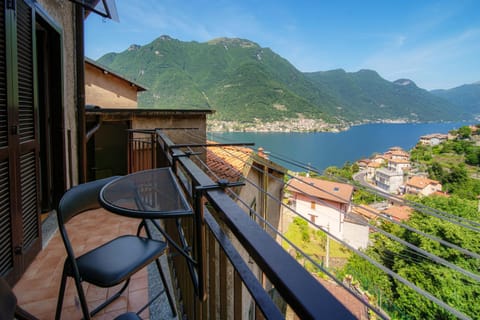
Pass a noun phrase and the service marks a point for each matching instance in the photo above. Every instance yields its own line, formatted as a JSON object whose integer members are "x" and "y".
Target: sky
{"x": 434, "y": 43}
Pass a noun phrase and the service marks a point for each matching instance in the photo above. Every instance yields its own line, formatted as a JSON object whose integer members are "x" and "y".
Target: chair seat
{"x": 117, "y": 260}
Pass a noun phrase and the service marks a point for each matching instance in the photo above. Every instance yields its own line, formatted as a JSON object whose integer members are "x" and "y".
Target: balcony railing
{"x": 237, "y": 270}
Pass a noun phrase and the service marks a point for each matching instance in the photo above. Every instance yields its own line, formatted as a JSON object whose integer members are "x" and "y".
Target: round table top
{"x": 149, "y": 194}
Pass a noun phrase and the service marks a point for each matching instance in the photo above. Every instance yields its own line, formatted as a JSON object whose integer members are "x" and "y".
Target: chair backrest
{"x": 81, "y": 198}
{"x": 78, "y": 199}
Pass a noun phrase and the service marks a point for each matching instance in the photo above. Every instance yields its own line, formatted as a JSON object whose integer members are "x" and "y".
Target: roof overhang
{"x": 104, "y": 8}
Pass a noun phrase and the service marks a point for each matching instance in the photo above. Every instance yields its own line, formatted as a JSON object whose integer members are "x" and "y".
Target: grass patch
{"x": 312, "y": 242}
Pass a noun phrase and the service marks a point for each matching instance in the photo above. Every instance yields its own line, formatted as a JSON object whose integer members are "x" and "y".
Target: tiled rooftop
{"x": 228, "y": 162}
{"x": 37, "y": 290}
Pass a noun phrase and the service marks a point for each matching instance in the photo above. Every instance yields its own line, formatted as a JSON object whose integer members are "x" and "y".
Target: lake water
{"x": 323, "y": 149}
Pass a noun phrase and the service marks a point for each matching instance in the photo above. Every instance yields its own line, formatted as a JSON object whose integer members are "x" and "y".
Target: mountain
{"x": 465, "y": 97}
{"x": 366, "y": 95}
{"x": 243, "y": 81}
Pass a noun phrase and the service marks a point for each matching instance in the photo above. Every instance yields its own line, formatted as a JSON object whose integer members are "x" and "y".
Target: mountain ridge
{"x": 245, "y": 82}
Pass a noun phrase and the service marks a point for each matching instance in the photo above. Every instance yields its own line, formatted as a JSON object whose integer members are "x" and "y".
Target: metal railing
{"x": 239, "y": 270}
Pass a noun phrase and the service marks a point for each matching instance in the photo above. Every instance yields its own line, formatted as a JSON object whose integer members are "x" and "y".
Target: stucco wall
{"x": 62, "y": 14}
{"x": 327, "y": 215}
{"x": 355, "y": 234}
{"x": 106, "y": 90}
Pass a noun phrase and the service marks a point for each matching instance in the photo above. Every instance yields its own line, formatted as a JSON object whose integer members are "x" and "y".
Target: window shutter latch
{"x": 18, "y": 250}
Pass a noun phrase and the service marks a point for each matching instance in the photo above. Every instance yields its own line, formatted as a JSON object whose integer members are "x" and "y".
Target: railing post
{"x": 200, "y": 243}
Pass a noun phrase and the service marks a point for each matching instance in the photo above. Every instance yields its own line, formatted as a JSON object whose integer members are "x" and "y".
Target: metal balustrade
{"x": 240, "y": 271}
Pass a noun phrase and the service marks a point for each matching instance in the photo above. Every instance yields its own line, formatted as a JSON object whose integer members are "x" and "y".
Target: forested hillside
{"x": 243, "y": 81}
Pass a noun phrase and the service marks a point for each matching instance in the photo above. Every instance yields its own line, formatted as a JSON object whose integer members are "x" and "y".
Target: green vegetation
{"x": 455, "y": 163}
{"x": 313, "y": 243}
{"x": 465, "y": 97}
{"x": 458, "y": 290}
{"x": 345, "y": 172}
{"x": 243, "y": 81}
{"x": 366, "y": 95}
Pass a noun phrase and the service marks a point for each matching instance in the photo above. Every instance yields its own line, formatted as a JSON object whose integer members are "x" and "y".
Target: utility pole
{"x": 327, "y": 250}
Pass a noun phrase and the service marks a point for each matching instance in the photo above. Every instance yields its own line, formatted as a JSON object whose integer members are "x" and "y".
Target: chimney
{"x": 261, "y": 153}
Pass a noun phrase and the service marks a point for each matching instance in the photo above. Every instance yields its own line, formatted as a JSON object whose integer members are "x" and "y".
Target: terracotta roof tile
{"x": 399, "y": 212}
{"x": 322, "y": 189}
{"x": 366, "y": 211}
{"x": 420, "y": 182}
{"x": 228, "y": 162}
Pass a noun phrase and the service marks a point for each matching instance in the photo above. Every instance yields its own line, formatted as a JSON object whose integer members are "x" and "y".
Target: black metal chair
{"x": 109, "y": 264}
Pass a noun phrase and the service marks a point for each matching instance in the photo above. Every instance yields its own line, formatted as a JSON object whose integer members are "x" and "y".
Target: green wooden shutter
{"x": 6, "y": 252}
{"x": 27, "y": 133}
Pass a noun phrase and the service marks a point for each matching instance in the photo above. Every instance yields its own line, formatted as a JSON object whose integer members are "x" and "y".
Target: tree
{"x": 435, "y": 171}
{"x": 450, "y": 286}
{"x": 464, "y": 132}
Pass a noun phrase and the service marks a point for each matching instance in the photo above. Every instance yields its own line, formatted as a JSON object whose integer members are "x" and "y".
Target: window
{"x": 312, "y": 205}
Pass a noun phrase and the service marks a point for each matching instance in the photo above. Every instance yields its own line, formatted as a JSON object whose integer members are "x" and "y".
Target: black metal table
{"x": 151, "y": 195}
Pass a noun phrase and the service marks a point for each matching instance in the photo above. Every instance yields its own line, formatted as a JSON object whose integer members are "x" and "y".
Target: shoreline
{"x": 302, "y": 125}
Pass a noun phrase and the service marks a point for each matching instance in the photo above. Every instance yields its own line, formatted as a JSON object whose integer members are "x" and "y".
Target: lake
{"x": 323, "y": 149}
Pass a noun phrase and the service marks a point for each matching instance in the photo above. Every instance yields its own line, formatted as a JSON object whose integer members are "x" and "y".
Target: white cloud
{"x": 425, "y": 60}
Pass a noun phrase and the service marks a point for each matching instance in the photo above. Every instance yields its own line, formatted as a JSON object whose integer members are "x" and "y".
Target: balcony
{"x": 240, "y": 267}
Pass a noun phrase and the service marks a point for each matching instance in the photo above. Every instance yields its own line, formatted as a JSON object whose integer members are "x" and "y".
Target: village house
{"x": 112, "y": 112}
{"x": 371, "y": 169}
{"x": 398, "y": 213}
{"x": 379, "y": 158}
{"x": 105, "y": 88}
{"x": 398, "y": 165}
{"x": 388, "y": 180}
{"x": 422, "y": 186}
{"x": 328, "y": 205}
{"x": 363, "y": 163}
{"x": 433, "y": 139}
{"x": 398, "y": 154}
{"x": 366, "y": 211}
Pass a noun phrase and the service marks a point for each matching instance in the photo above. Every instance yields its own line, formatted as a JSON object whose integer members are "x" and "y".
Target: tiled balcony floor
{"x": 37, "y": 290}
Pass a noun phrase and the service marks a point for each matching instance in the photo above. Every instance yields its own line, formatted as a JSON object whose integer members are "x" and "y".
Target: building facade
{"x": 41, "y": 131}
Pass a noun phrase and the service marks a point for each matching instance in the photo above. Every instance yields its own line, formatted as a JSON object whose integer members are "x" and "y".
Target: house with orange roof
{"x": 422, "y": 186}
{"x": 366, "y": 211}
{"x": 379, "y": 158}
{"x": 371, "y": 169}
{"x": 237, "y": 164}
{"x": 398, "y": 213}
{"x": 433, "y": 139}
{"x": 328, "y": 205}
{"x": 108, "y": 89}
{"x": 363, "y": 163}
{"x": 398, "y": 154}
{"x": 399, "y": 165}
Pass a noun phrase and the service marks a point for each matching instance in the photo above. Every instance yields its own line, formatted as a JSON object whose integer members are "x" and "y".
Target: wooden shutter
{"x": 27, "y": 134}
{"x": 20, "y": 232}
{"x": 6, "y": 252}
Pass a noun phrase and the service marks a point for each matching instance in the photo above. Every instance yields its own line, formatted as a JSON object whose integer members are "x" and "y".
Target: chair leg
{"x": 171, "y": 301}
{"x": 111, "y": 299}
{"x": 83, "y": 300}
{"x": 61, "y": 295}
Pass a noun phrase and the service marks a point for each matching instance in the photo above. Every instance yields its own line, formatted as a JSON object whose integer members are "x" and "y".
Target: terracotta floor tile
{"x": 121, "y": 303}
{"x": 137, "y": 299}
{"x": 37, "y": 290}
